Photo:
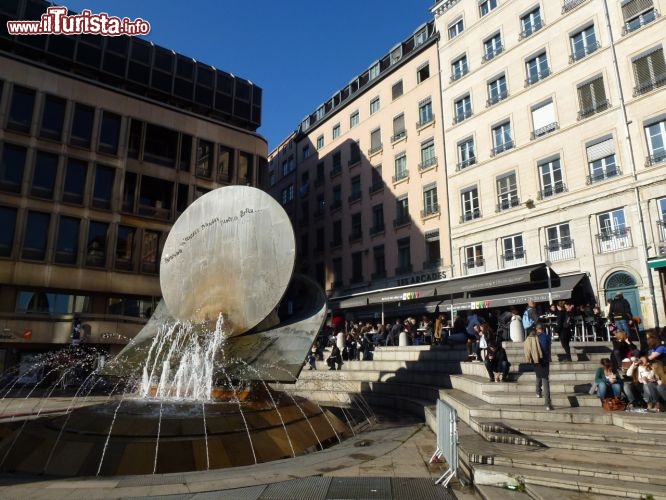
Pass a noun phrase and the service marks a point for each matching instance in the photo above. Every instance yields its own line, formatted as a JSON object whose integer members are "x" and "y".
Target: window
{"x": 320, "y": 141}
{"x": 356, "y": 227}
{"x": 82, "y": 125}
{"x": 337, "y": 272}
{"x": 375, "y": 141}
{"x": 463, "y": 108}
{"x": 428, "y": 158}
{"x": 288, "y": 194}
{"x": 430, "y": 205}
{"x": 401, "y": 211}
{"x": 399, "y": 131}
{"x": 379, "y": 262}
{"x": 474, "y": 258}
{"x": 357, "y": 267}
{"x": 96, "y": 244}
{"x": 507, "y": 192}
{"x": 374, "y": 105}
{"x": 543, "y": 119}
{"x": 319, "y": 174}
{"x": 592, "y": 98}
{"x": 377, "y": 181}
{"x": 404, "y": 257}
{"x": 396, "y": 54}
{"x": 492, "y": 47}
{"x": 433, "y": 252}
{"x": 466, "y": 155}
{"x": 459, "y": 68}
{"x": 305, "y": 151}
{"x": 109, "y": 133}
{"x": 12, "y": 168}
{"x": 613, "y": 231}
{"x": 537, "y": 68}
{"x": 420, "y": 37}
{"x": 485, "y": 6}
{"x": 8, "y": 224}
{"x": 530, "y": 22}
{"x": 373, "y": 72}
{"x": 354, "y": 153}
{"x": 456, "y": 28}
{"x": 583, "y": 43}
{"x": 205, "y": 159}
{"x": 336, "y": 131}
{"x": 53, "y": 117}
{"x": 337, "y": 197}
{"x": 637, "y": 13}
{"x": 36, "y": 236}
{"x": 225, "y": 164}
{"x": 43, "y": 178}
{"x": 353, "y": 119}
{"x": 497, "y": 90}
{"x": 162, "y": 145}
{"x": 67, "y": 246}
{"x": 150, "y": 252}
{"x": 601, "y": 160}
{"x": 337, "y": 233}
{"x": 186, "y": 152}
{"x": 377, "y": 219}
{"x": 401, "y": 171}
{"x": 245, "y": 168}
{"x": 649, "y": 71}
{"x": 502, "y": 139}
{"x": 423, "y": 73}
{"x": 355, "y": 188}
{"x": 656, "y": 140}
{"x": 661, "y": 221}
{"x": 396, "y": 90}
{"x": 550, "y": 176}
{"x": 103, "y": 187}
{"x": 425, "y": 112}
{"x": 21, "y": 109}
{"x": 559, "y": 244}
{"x": 288, "y": 166}
{"x": 470, "y": 204}
{"x": 75, "y": 181}
{"x": 337, "y": 163}
{"x": 513, "y": 249}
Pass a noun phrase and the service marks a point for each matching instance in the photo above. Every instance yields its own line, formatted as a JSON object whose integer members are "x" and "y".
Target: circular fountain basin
{"x": 147, "y": 436}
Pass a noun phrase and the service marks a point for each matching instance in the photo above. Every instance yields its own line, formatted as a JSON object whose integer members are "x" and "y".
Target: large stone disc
{"x": 232, "y": 252}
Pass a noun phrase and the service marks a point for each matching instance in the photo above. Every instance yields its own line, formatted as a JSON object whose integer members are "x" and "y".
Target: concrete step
{"x": 579, "y": 367}
{"x": 324, "y": 390}
{"x": 369, "y": 375}
{"x": 426, "y": 365}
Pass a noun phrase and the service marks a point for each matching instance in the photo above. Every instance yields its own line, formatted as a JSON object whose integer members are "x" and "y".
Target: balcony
{"x": 336, "y": 205}
{"x": 400, "y": 176}
{"x": 353, "y": 162}
{"x": 584, "y": 52}
{"x": 501, "y": 148}
{"x": 514, "y": 259}
{"x": 406, "y": 269}
{"x": 536, "y": 77}
{"x": 465, "y": 163}
{"x": 335, "y": 171}
{"x": 377, "y": 149}
{"x": 552, "y": 190}
{"x": 457, "y": 75}
{"x": 354, "y": 197}
{"x": 651, "y": 84}
{"x": 376, "y": 187}
{"x": 545, "y": 130}
{"x": 398, "y": 136}
{"x": 471, "y": 215}
{"x": 432, "y": 264}
{"x": 529, "y": 31}
{"x": 607, "y": 174}
{"x": 491, "y": 54}
{"x": 562, "y": 250}
{"x": 507, "y": 204}
{"x": 496, "y": 98}
{"x": 425, "y": 121}
{"x": 570, "y": 5}
{"x": 356, "y": 235}
{"x": 613, "y": 240}
{"x": 655, "y": 158}
{"x": 401, "y": 221}
{"x": 427, "y": 164}
{"x": 430, "y": 211}
{"x": 593, "y": 110}
{"x": 640, "y": 21}
{"x": 475, "y": 266}
{"x": 378, "y": 229}
{"x": 462, "y": 116}
{"x": 378, "y": 275}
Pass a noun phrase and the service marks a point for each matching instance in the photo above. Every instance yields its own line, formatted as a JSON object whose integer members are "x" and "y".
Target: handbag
{"x": 613, "y": 404}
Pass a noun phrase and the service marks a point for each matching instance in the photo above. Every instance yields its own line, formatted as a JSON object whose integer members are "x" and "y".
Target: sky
{"x": 300, "y": 52}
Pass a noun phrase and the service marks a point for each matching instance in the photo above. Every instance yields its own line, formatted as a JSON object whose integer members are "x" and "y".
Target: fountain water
{"x": 199, "y": 372}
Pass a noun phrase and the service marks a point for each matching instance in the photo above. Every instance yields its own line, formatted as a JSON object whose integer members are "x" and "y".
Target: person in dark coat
{"x": 335, "y": 359}
{"x": 497, "y": 363}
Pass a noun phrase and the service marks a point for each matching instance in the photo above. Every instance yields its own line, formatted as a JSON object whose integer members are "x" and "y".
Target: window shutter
{"x": 600, "y": 150}
{"x": 634, "y": 7}
{"x": 399, "y": 124}
{"x": 649, "y": 68}
{"x": 543, "y": 115}
{"x": 375, "y": 139}
{"x": 598, "y": 91}
{"x": 591, "y": 93}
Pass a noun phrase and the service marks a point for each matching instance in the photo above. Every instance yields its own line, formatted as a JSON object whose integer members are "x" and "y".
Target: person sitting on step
{"x": 648, "y": 379}
{"x": 633, "y": 389}
{"x": 497, "y": 363}
{"x": 623, "y": 348}
{"x": 607, "y": 379}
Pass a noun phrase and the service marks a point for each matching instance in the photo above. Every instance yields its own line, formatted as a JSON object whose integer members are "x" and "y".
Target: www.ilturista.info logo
{"x": 55, "y": 21}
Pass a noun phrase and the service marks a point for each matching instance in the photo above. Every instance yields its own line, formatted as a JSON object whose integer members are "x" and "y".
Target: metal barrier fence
{"x": 447, "y": 441}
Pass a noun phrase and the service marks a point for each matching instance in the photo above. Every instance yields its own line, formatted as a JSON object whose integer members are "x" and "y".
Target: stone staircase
{"x": 506, "y": 436}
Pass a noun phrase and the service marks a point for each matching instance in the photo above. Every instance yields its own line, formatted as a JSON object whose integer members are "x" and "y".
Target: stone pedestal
{"x": 403, "y": 340}
{"x": 340, "y": 340}
{"x": 516, "y": 330}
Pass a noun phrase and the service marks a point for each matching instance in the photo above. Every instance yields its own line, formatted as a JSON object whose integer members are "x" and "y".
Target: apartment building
{"x": 554, "y": 117}
{"x": 363, "y": 177}
{"x": 104, "y": 141}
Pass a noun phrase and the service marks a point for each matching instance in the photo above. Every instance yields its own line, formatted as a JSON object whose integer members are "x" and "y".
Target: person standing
{"x": 394, "y": 332}
{"x": 620, "y": 313}
{"x": 537, "y": 352}
{"x": 565, "y": 326}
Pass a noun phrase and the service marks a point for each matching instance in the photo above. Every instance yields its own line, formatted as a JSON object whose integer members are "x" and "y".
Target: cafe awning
{"x": 657, "y": 263}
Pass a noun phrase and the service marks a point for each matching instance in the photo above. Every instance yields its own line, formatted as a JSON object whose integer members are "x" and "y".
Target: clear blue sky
{"x": 300, "y": 52}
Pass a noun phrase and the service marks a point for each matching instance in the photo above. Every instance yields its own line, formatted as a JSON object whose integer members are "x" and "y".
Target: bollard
{"x": 403, "y": 339}
{"x": 340, "y": 341}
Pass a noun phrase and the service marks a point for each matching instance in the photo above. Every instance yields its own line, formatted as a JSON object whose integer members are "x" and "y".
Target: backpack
{"x": 528, "y": 321}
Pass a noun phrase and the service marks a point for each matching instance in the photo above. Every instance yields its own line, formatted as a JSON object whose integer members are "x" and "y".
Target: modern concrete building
{"x": 363, "y": 177}
{"x": 554, "y": 118}
{"x": 104, "y": 141}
